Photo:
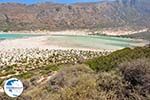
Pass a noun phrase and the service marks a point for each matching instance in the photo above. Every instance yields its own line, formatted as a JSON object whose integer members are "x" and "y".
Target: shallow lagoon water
{"x": 84, "y": 42}
{"x": 4, "y": 36}
{"x": 93, "y": 42}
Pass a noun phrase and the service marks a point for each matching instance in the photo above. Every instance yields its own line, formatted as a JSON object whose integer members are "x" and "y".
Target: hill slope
{"x": 50, "y": 16}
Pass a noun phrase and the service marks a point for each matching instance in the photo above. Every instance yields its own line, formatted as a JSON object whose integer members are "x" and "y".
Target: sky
{"x": 40, "y": 1}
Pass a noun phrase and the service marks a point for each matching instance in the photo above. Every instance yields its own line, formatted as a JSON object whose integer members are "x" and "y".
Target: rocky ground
{"x": 23, "y": 60}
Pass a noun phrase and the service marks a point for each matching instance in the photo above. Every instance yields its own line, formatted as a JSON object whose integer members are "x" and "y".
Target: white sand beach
{"x": 45, "y": 32}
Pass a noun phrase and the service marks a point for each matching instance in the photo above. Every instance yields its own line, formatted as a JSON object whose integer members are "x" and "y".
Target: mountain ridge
{"x": 53, "y": 16}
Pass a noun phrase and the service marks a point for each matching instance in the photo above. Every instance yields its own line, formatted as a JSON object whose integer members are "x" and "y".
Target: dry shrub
{"x": 5, "y": 97}
{"x": 69, "y": 76}
{"x": 85, "y": 89}
{"x": 79, "y": 82}
{"x": 137, "y": 74}
{"x": 109, "y": 84}
{"x": 72, "y": 83}
{"x": 112, "y": 86}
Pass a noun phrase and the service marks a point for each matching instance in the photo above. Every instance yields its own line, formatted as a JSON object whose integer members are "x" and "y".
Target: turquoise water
{"x": 13, "y": 36}
{"x": 92, "y": 42}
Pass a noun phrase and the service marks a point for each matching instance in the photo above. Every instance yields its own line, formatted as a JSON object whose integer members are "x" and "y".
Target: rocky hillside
{"x": 99, "y": 15}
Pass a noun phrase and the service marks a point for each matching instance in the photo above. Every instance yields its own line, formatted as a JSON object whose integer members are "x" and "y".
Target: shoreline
{"x": 38, "y": 42}
{"x": 109, "y": 32}
{"x": 65, "y": 32}
{"x": 42, "y": 42}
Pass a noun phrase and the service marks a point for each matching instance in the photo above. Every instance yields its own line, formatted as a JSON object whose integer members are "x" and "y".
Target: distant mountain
{"x": 99, "y": 15}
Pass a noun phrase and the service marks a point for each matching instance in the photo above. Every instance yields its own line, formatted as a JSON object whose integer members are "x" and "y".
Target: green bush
{"x": 25, "y": 75}
{"x": 49, "y": 68}
{"x": 110, "y": 62}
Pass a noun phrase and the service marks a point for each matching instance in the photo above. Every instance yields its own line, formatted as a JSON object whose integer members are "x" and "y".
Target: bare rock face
{"x": 50, "y": 16}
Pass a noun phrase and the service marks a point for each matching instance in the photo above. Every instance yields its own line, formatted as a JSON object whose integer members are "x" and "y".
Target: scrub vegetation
{"x": 121, "y": 75}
